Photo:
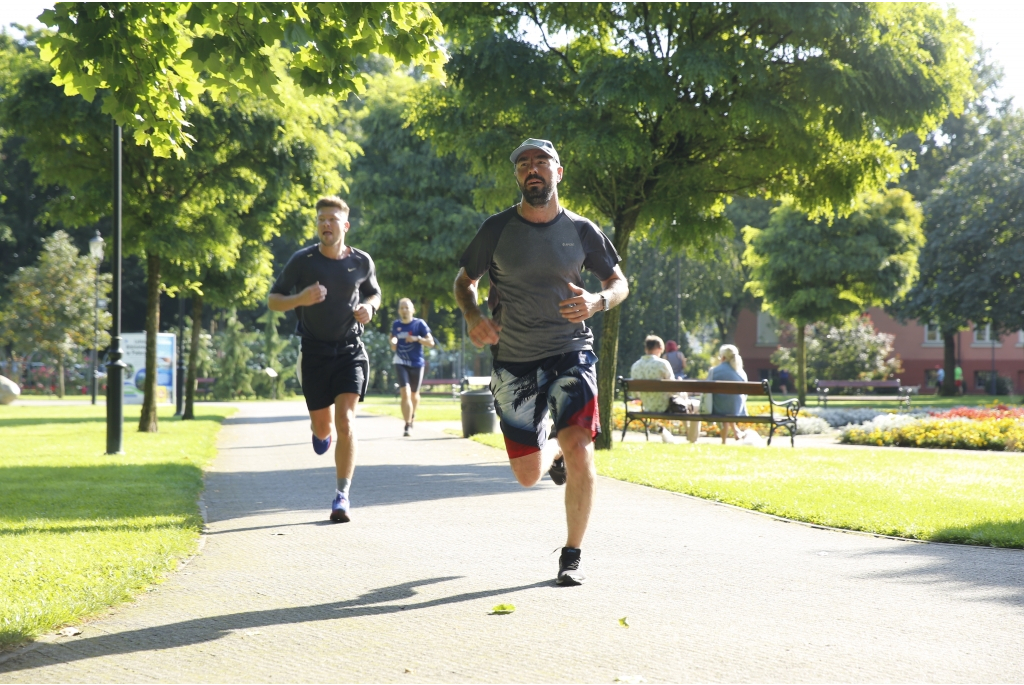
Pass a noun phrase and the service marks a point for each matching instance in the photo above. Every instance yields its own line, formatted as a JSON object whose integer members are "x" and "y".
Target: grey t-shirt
{"x": 530, "y": 266}
{"x": 348, "y": 281}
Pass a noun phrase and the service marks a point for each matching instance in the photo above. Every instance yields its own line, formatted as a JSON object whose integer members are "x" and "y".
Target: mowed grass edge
{"x": 937, "y": 495}
{"x": 81, "y": 530}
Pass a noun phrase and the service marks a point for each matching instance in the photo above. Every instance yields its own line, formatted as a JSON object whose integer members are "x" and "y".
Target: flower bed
{"x": 1000, "y": 434}
{"x": 1000, "y": 411}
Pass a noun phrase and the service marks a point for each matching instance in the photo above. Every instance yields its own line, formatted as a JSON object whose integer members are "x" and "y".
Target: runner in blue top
{"x": 408, "y": 337}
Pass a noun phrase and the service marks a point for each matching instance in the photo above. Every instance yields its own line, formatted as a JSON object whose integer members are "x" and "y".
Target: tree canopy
{"x": 662, "y": 110}
{"x": 973, "y": 262}
{"x": 153, "y": 62}
{"x": 415, "y": 209}
{"x": 814, "y": 270}
{"x": 50, "y": 306}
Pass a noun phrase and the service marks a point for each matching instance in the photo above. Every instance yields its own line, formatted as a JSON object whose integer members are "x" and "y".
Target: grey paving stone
{"x": 441, "y": 533}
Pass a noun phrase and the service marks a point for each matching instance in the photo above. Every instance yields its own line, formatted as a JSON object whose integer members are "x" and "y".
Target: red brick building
{"x": 918, "y": 346}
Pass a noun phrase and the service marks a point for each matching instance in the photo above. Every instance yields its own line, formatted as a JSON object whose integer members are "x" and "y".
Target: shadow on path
{"x": 240, "y": 494}
{"x": 1001, "y": 571}
{"x": 197, "y": 631}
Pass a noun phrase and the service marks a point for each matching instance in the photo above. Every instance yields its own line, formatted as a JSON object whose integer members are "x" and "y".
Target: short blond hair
{"x": 653, "y": 342}
{"x": 406, "y": 299}
{"x": 332, "y": 201}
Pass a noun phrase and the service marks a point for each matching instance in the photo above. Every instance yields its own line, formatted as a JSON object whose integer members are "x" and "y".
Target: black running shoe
{"x": 557, "y": 471}
{"x": 405, "y": 433}
{"x": 569, "y": 567}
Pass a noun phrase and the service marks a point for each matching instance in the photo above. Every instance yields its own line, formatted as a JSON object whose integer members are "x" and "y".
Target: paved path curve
{"x": 441, "y": 533}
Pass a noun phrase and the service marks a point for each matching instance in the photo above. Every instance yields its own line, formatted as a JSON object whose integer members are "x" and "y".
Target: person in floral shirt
{"x": 651, "y": 367}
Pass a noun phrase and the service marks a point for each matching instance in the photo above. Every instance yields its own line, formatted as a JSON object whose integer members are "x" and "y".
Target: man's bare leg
{"x": 345, "y": 450}
{"x": 321, "y": 422}
{"x": 415, "y": 399}
{"x": 577, "y": 446}
{"x": 530, "y": 468}
{"x": 408, "y": 404}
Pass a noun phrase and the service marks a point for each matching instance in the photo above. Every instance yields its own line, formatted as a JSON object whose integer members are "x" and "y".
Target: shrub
{"x": 852, "y": 351}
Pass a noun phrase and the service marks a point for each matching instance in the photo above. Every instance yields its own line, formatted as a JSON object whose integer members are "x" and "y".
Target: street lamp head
{"x": 96, "y": 247}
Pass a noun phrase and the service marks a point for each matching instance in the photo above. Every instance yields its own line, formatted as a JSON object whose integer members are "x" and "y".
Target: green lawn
{"x": 434, "y": 406}
{"x": 81, "y": 530}
{"x": 925, "y": 494}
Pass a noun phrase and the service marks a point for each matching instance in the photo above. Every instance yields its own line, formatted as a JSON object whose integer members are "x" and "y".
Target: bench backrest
{"x": 859, "y": 384}
{"x": 721, "y": 387}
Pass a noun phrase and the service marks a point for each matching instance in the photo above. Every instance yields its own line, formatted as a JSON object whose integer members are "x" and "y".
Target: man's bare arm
{"x": 616, "y": 288}
{"x": 583, "y": 305}
{"x": 482, "y": 331}
{"x": 306, "y": 297}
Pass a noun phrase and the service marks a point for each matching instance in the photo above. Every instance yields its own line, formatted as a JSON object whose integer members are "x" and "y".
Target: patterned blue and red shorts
{"x": 525, "y": 393}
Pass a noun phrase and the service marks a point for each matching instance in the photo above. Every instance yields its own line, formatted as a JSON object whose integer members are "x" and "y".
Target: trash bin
{"x": 478, "y": 412}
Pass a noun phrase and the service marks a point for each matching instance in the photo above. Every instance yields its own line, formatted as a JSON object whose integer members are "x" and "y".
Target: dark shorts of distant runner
{"x": 564, "y": 385}
{"x": 409, "y": 375}
{"x": 332, "y": 369}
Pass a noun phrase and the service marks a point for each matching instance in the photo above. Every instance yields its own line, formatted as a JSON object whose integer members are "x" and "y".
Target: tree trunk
{"x": 147, "y": 422}
{"x": 606, "y": 368}
{"x": 60, "y": 378}
{"x": 193, "y": 358}
{"x": 801, "y": 362}
{"x": 948, "y": 388}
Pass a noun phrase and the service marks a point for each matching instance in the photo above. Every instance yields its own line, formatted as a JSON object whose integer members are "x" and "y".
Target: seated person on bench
{"x": 651, "y": 367}
{"x": 730, "y": 368}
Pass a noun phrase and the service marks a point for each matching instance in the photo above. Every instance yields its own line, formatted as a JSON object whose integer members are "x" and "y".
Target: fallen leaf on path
{"x": 503, "y": 609}
{"x": 70, "y": 631}
{"x": 623, "y": 622}
{"x": 632, "y": 679}
{"x": 408, "y": 670}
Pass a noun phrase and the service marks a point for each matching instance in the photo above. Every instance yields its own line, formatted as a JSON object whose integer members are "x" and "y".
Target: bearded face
{"x": 537, "y": 191}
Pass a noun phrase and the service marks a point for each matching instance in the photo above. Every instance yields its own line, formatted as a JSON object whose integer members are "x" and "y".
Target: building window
{"x": 767, "y": 329}
{"x": 1020, "y": 338}
{"x": 932, "y": 336}
{"x": 983, "y": 336}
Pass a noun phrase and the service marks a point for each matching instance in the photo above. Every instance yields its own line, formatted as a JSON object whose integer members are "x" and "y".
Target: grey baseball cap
{"x": 535, "y": 144}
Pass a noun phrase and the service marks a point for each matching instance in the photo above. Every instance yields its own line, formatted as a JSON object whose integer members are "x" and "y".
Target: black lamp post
{"x": 96, "y": 251}
{"x": 115, "y": 368}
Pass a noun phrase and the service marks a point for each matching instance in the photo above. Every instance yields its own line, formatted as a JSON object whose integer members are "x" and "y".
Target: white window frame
{"x": 987, "y": 342}
{"x": 765, "y": 321}
{"x": 932, "y": 329}
{"x": 1020, "y": 338}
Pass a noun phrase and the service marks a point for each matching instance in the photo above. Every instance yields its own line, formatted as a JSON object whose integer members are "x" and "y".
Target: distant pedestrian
{"x": 675, "y": 357}
{"x": 783, "y": 381}
{"x": 409, "y": 336}
{"x": 940, "y": 376}
{"x": 534, "y": 254}
{"x": 958, "y": 379}
{"x": 336, "y": 294}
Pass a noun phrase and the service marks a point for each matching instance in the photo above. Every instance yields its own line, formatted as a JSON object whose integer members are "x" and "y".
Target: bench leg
{"x": 771, "y": 433}
{"x": 646, "y": 432}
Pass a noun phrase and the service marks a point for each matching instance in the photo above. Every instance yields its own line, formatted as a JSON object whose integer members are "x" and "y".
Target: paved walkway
{"x": 441, "y": 533}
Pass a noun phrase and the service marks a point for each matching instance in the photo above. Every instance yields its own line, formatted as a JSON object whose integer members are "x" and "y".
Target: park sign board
{"x": 134, "y": 345}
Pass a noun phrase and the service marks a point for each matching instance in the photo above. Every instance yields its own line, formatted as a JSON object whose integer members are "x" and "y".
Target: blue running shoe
{"x": 321, "y": 446}
{"x": 339, "y": 508}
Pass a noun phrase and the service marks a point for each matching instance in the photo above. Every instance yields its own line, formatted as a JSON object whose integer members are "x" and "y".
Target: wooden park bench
{"x": 902, "y": 395}
{"x": 786, "y": 417}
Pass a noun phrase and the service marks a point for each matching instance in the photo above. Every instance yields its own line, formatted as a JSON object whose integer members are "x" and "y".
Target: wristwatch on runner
{"x": 604, "y": 302}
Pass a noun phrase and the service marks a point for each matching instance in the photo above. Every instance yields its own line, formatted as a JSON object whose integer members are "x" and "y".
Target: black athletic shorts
{"x": 409, "y": 375}
{"x": 331, "y": 369}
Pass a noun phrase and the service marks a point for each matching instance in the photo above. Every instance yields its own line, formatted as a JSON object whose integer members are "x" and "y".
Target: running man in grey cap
{"x": 544, "y": 363}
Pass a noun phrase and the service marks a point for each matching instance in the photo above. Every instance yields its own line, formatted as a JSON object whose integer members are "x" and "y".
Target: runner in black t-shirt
{"x": 544, "y": 363}
{"x": 336, "y": 294}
